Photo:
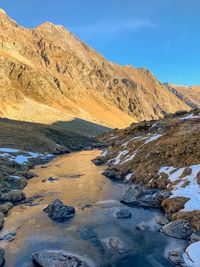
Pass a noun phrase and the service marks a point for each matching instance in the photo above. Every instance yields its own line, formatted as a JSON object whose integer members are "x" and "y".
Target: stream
{"x": 94, "y": 232}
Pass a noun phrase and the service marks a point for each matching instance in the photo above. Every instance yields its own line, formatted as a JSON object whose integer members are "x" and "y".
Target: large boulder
{"x": 52, "y": 258}
{"x": 149, "y": 201}
{"x": 178, "y": 229}
{"x": 59, "y": 211}
{"x": 2, "y": 252}
{"x": 132, "y": 195}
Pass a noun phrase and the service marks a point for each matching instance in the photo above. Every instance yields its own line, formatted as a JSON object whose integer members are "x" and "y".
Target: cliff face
{"x": 190, "y": 95}
{"x": 47, "y": 74}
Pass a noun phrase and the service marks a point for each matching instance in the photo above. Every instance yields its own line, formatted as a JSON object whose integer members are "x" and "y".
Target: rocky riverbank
{"x": 15, "y": 171}
{"x": 76, "y": 216}
{"x": 161, "y": 162}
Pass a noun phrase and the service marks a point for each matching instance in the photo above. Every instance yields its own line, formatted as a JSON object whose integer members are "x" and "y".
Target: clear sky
{"x": 162, "y": 35}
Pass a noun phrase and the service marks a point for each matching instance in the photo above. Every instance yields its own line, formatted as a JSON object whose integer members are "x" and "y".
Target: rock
{"x": 4, "y": 208}
{"x": 176, "y": 258}
{"x": 149, "y": 201}
{"x": 2, "y": 253}
{"x": 163, "y": 194}
{"x": 88, "y": 148}
{"x": 1, "y": 219}
{"x": 132, "y": 195}
{"x": 58, "y": 211}
{"x": 174, "y": 204}
{"x": 195, "y": 237}
{"x": 88, "y": 233}
{"x": 110, "y": 174}
{"x": 142, "y": 226}
{"x": 98, "y": 161}
{"x": 4, "y": 186}
{"x": 29, "y": 175}
{"x": 114, "y": 244}
{"x": 75, "y": 148}
{"x": 8, "y": 237}
{"x": 179, "y": 229}
{"x": 161, "y": 220}
{"x": 19, "y": 183}
{"x": 124, "y": 214}
{"x": 13, "y": 196}
{"x": 52, "y": 258}
{"x": 50, "y": 179}
{"x": 61, "y": 151}
{"x": 86, "y": 206}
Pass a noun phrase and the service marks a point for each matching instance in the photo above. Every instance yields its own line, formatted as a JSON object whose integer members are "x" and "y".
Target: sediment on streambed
{"x": 97, "y": 204}
{"x": 15, "y": 171}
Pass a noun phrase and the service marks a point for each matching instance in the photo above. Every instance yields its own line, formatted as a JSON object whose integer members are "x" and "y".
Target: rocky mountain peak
{"x": 52, "y": 67}
{"x": 2, "y": 11}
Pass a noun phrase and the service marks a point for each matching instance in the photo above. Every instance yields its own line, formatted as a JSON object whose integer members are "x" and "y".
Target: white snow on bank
{"x": 128, "y": 177}
{"x": 192, "y": 255}
{"x": 118, "y": 158}
{"x": 15, "y": 177}
{"x": 191, "y": 191}
{"x": 150, "y": 139}
{"x": 133, "y": 139}
{"x": 104, "y": 154}
{"x": 153, "y": 138}
{"x": 190, "y": 117}
{"x": 9, "y": 150}
{"x": 130, "y": 157}
{"x": 23, "y": 156}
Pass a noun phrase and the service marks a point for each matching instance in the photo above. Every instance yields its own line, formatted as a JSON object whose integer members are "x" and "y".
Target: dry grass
{"x": 43, "y": 138}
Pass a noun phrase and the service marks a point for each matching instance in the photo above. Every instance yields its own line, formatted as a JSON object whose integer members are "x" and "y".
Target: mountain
{"x": 47, "y": 74}
{"x": 190, "y": 95}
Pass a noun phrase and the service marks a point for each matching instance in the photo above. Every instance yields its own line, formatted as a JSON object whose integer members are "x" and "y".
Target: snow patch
{"x": 190, "y": 117}
{"x": 104, "y": 154}
{"x": 182, "y": 189}
{"x": 23, "y": 156}
{"x": 118, "y": 158}
{"x": 9, "y": 150}
{"x": 128, "y": 177}
{"x": 192, "y": 255}
{"x": 135, "y": 138}
{"x": 153, "y": 138}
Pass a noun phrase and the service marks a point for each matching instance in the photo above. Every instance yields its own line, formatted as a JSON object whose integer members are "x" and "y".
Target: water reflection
{"x": 94, "y": 232}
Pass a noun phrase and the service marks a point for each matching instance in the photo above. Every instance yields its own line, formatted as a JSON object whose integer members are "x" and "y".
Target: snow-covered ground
{"x": 190, "y": 117}
{"x": 129, "y": 157}
{"x": 104, "y": 154}
{"x": 20, "y": 156}
{"x": 192, "y": 255}
{"x": 117, "y": 159}
{"x": 186, "y": 186}
{"x": 153, "y": 138}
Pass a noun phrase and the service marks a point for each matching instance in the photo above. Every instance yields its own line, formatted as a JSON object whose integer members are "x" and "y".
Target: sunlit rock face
{"x": 48, "y": 74}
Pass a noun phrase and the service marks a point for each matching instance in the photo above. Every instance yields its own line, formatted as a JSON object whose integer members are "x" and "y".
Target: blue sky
{"x": 162, "y": 35}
